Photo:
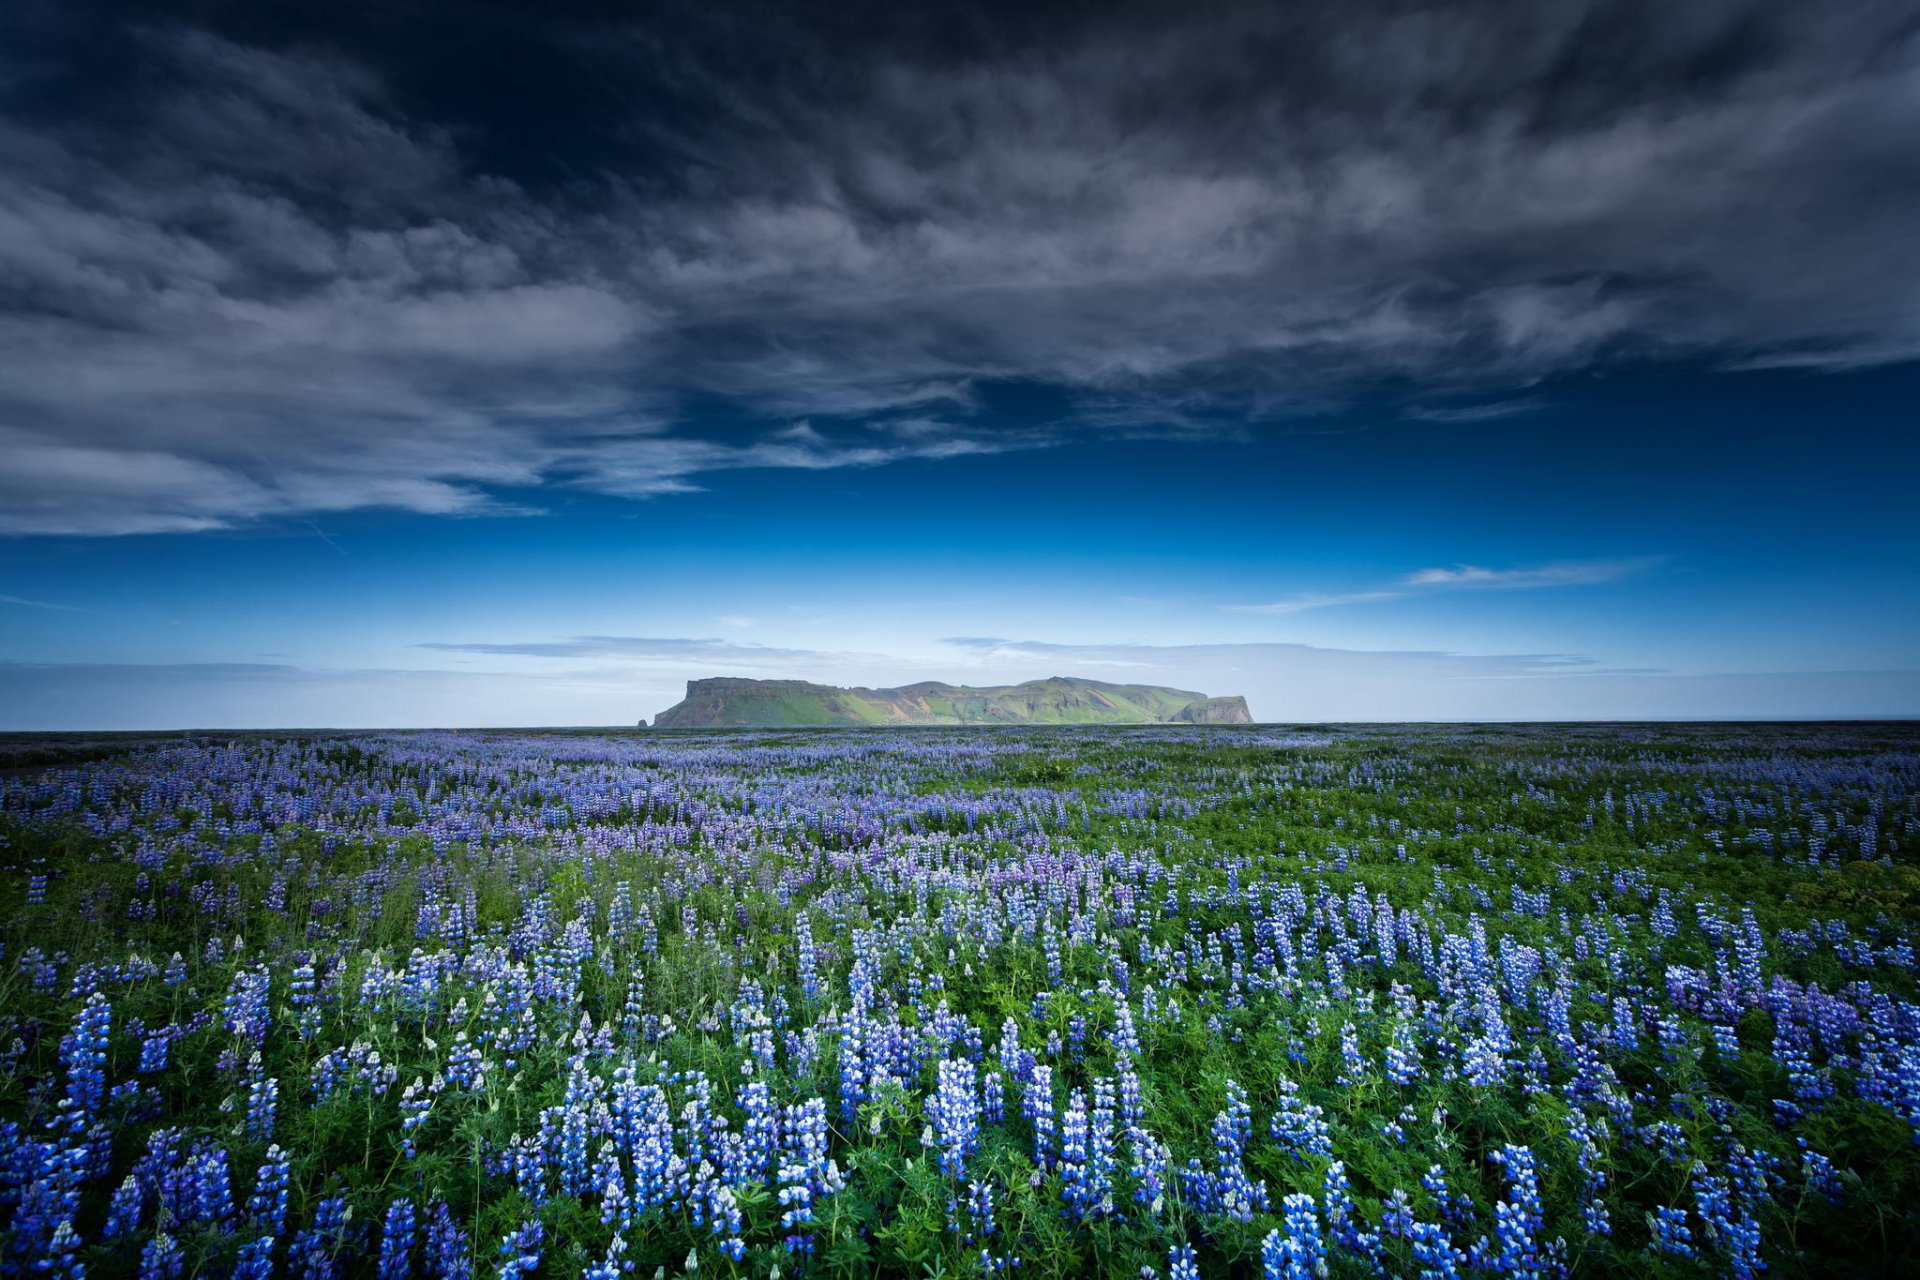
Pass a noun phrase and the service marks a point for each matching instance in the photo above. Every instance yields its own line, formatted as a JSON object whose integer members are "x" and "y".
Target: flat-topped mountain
{"x": 726, "y": 701}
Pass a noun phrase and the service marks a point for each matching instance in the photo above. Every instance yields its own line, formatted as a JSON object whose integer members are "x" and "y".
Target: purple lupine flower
{"x": 263, "y": 1100}
{"x": 62, "y": 1261}
{"x": 1433, "y": 1252}
{"x": 1296, "y": 1251}
{"x": 83, "y": 1052}
{"x": 808, "y": 959}
{"x": 1667, "y": 1226}
{"x": 1593, "y": 1177}
{"x": 211, "y": 1194}
{"x": 125, "y": 1210}
{"x": 315, "y": 1249}
{"x": 520, "y": 1250}
{"x": 255, "y": 1261}
{"x": 1396, "y": 1214}
{"x": 1036, "y": 1108}
{"x": 1819, "y": 1174}
{"x": 805, "y": 1173}
{"x": 156, "y": 1048}
{"x": 613, "y": 1266}
{"x": 396, "y": 1241}
{"x": 1101, "y": 1161}
{"x": 1518, "y": 1219}
{"x": 447, "y": 1256}
{"x": 416, "y": 1102}
{"x": 954, "y": 1109}
{"x": 1086, "y": 1153}
{"x": 1343, "y": 1220}
{"x": 1300, "y": 1127}
{"x": 162, "y": 1258}
{"x": 1235, "y": 1194}
{"x": 245, "y": 1011}
{"x": 760, "y": 1133}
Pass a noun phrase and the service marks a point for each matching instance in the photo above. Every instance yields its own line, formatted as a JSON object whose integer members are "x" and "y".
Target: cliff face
{"x": 1229, "y": 710}
{"x": 728, "y": 701}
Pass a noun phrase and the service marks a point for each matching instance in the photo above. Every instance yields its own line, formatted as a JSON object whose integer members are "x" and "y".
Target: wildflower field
{"x": 1160, "y": 1002}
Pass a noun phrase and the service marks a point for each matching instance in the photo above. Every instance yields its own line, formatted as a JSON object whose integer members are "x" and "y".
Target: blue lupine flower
{"x": 447, "y": 1255}
{"x": 1433, "y": 1252}
{"x": 63, "y": 1255}
{"x": 83, "y": 1051}
{"x": 1234, "y": 1192}
{"x": 1295, "y": 1251}
{"x": 246, "y": 1012}
{"x": 396, "y": 1241}
{"x": 263, "y": 1100}
{"x": 954, "y": 1109}
{"x": 1518, "y": 1219}
{"x": 267, "y": 1205}
{"x": 125, "y": 1209}
{"x": 1670, "y": 1233}
{"x": 1036, "y": 1108}
{"x": 315, "y": 1250}
{"x": 520, "y": 1250}
{"x": 1300, "y": 1127}
{"x": 162, "y": 1258}
{"x": 255, "y": 1261}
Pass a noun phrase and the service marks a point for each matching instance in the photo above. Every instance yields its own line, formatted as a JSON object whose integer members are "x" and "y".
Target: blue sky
{"x": 1525, "y": 384}
{"x": 1612, "y": 556}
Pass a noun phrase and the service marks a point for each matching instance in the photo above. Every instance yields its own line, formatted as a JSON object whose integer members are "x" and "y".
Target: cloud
{"x": 1304, "y": 658}
{"x": 1569, "y": 573}
{"x": 631, "y": 648}
{"x": 1299, "y": 604}
{"x": 286, "y": 275}
{"x": 1487, "y": 412}
{"x": 24, "y": 603}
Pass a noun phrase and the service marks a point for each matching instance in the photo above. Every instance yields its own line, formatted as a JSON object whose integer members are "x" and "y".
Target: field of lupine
{"x": 1027, "y": 1003}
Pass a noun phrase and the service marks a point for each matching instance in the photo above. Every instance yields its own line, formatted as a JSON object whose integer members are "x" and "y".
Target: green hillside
{"x": 728, "y": 701}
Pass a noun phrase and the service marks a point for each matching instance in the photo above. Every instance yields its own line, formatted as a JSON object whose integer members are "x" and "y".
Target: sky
{"x": 485, "y": 364}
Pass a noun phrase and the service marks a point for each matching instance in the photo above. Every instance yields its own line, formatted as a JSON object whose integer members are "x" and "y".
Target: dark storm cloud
{"x": 282, "y": 268}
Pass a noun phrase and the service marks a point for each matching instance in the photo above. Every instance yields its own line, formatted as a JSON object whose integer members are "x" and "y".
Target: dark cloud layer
{"x": 276, "y": 259}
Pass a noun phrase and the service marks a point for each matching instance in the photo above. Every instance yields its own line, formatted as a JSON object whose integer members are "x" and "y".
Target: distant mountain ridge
{"x": 727, "y": 701}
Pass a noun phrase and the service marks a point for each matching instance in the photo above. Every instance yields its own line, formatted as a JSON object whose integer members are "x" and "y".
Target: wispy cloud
{"x": 1488, "y": 411}
{"x": 1300, "y": 604}
{"x": 24, "y": 603}
{"x": 1163, "y": 657}
{"x": 631, "y": 648}
{"x": 1467, "y": 577}
{"x": 1565, "y": 573}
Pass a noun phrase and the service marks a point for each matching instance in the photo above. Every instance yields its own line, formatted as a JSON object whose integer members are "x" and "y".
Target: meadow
{"x": 1160, "y": 1003}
